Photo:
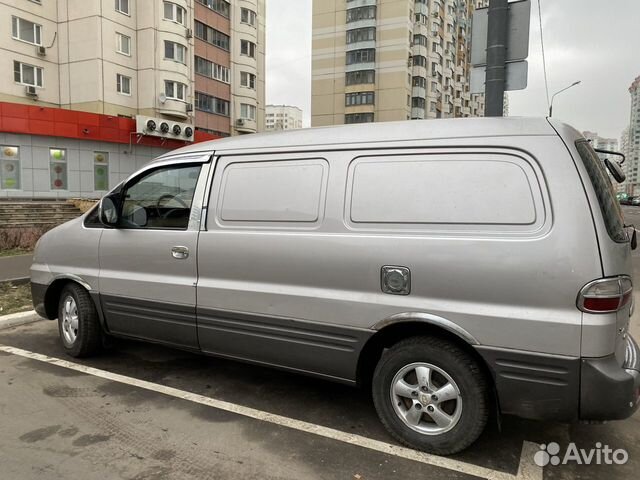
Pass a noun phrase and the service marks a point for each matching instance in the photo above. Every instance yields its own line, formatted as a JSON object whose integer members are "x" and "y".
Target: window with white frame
{"x": 26, "y": 31}
{"x": 100, "y": 171}
{"x": 248, "y": 111}
{"x": 248, "y": 16}
{"x": 123, "y": 84}
{"x": 248, "y": 48}
{"x": 175, "y": 51}
{"x": 175, "y": 90}
{"x": 213, "y": 70}
{"x": 174, "y": 13}
{"x": 9, "y": 167}
{"x": 123, "y": 44}
{"x": 122, "y": 6}
{"x": 27, "y": 74}
{"x": 248, "y": 80}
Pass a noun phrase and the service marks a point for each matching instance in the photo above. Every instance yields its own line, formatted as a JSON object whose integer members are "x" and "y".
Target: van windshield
{"x": 609, "y": 206}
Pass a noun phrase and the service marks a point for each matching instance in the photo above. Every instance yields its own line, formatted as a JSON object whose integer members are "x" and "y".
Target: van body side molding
{"x": 430, "y": 319}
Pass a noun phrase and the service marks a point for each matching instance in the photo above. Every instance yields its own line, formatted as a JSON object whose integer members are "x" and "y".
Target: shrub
{"x": 21, "y": 238}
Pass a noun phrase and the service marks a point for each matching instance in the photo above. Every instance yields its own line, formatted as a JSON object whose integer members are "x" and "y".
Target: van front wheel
{"x": 78, "y": 322}
{"x": 431, "y": 395}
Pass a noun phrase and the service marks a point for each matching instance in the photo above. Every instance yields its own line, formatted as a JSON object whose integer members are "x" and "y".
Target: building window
{"x": 432, "y": 106}
{"x": 420, "y": 40}
{"x": 100, "y": 171}
{"x": 360, "y": 76}
{"x": 58, "y": 168}
{"x": 360, "y": 98}
{"x": 26, "y": 31}
{"x": 27, "y": 74}
{"x": 248, "y": 80}
{"x": 419, "y": 61}
{"x": 123, "y": 44}
{"x": 221, "y": 6}
{"x": 358, "y": 118}
{"x": 175, "y": 51}
{"x": 174, "y": 13}
{"x": 361, "y": 35}
{"x": 248, "y": 16}
{"x": 123, "y": 84}
{"x": 248, "y": 48}
{"x": 212, "y": 36}
{"x": 175, "y": 90}
{"x": 248, "y": 111}
{"x": 213, "y": 70}
{"x": 361, "y": 13}
{"x": 365, "y": 55}
{"x": 420, "y": 82}
{"x": 122, "y": 6}
{"x": 9, "y": 167}
{"x": 210, "y": 104}
{"x": 418, "y": 102}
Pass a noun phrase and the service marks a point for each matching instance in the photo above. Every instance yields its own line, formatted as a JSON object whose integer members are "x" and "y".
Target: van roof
{"x": 381, "y": 132}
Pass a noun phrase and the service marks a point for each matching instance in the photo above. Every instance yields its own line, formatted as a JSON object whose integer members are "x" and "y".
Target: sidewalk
{"x": 14, "y": 268}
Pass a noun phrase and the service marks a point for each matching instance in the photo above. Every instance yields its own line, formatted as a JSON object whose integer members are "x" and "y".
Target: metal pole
{"x": 496, "y": 55}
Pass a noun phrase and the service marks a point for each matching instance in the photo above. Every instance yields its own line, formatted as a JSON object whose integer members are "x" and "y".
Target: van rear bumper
{"x": 607, "y": 390}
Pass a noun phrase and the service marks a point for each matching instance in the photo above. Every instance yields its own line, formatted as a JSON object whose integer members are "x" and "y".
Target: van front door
{"x": 148, "y": 264}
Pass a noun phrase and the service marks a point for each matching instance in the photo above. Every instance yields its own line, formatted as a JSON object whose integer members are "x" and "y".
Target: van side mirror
{"x": 108, "y": 211}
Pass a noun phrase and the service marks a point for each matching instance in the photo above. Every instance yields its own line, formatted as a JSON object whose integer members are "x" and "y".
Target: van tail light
{"x": 606, "y": 295}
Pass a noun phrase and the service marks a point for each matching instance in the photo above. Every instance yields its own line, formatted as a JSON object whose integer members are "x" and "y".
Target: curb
{"x": 17, "y": 281}
{"x": 17, "y": 319}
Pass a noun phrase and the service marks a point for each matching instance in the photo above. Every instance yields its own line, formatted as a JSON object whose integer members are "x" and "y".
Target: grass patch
{"x": 15, "y": 251}
{"x": 15, "y": 298}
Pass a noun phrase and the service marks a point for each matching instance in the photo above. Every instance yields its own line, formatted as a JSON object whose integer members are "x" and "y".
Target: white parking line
{"x": 527, "y": 469}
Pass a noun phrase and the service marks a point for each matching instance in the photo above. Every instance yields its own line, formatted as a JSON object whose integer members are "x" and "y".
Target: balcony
{"x": 420, "y": 92}
{"x": 173, "y": 108}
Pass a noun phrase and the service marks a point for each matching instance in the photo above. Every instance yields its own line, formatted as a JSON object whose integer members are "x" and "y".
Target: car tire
{"x": 78, "y": 322}
{"x": 405, "y": 383}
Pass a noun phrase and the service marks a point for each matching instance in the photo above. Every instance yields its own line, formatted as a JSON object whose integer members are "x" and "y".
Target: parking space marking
{"x": 527, "y": 470}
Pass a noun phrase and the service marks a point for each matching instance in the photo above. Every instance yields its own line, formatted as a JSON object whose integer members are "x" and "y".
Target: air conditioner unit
{"x": 189, "y": 107}
{"x": 189, "y": 33}
{"x": 240, "y": 122}
{"x": 30, "y": 91}
{"x": 41, "y": 51}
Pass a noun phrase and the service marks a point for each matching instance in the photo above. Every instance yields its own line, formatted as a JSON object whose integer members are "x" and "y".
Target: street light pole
{"x": 498, "y": 28}
{"x": 560, "y": 91}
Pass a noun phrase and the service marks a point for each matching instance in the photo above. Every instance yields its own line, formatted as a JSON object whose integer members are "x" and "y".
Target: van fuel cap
{"x": 395, "y": 280}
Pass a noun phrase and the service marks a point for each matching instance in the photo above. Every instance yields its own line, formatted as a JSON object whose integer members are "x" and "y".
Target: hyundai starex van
{"x": 353, "y": 253}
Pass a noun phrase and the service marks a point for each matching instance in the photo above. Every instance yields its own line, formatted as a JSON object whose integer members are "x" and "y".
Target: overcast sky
{"x": 594, "y": 41}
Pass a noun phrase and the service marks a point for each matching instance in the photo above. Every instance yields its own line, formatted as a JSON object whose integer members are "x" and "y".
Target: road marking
{"x": 527, "y": 470}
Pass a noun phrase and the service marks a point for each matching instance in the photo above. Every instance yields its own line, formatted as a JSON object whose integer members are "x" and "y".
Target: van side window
{"x": 441, "y": 189}
{"x": 161, "y": 199}
{"x": 271, "y": 193}
{"x": 603, "y": 187}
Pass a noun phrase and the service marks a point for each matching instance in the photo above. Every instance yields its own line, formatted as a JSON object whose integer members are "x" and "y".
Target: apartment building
{"x": 385, "y": 60}
{"x": 633, "y": 139}
{"x": 78, "y": 73}
{"x": 230, "y": 66}
{"x": 282, "y": 117}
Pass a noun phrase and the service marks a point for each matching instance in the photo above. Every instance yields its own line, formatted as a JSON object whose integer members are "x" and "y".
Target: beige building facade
{"x": 385, "y": 60}
{"x": 282, "y": 117}
{"x": 138, "y": 57}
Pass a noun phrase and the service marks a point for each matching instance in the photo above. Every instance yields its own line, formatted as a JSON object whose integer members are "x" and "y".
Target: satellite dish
{"x": 162, "y": 97}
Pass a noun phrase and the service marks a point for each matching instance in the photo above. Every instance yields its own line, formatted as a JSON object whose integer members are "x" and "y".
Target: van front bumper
{"x": 607, "y": 390}
{"x": 38, "y": 292}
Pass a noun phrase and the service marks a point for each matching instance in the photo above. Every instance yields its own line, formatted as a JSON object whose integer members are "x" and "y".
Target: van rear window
{"x": 609, "y": 206}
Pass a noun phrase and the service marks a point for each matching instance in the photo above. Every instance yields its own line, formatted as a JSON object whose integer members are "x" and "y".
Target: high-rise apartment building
{"x": 633, "y": 139}
{"x": 384, "y": 60}
{"x": 282, "y": 117}
{"x": 76, "y": 73}
{"x": 229, "y": 66}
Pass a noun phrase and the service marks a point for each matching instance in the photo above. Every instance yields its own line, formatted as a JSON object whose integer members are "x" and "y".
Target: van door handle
{"x": 180, "y": 253}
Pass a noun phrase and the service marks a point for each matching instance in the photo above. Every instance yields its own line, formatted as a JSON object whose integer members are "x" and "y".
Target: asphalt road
{"x": 149, "y": 412}
{"x": 15, "y": 267}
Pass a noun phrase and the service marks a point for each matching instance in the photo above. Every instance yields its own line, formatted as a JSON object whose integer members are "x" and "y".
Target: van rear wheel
{"x": 431, "y": 395}
{"x": 78, "y": 322}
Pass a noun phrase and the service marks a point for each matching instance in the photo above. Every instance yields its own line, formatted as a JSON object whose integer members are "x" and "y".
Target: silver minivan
{"x": 453, "y": 267}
